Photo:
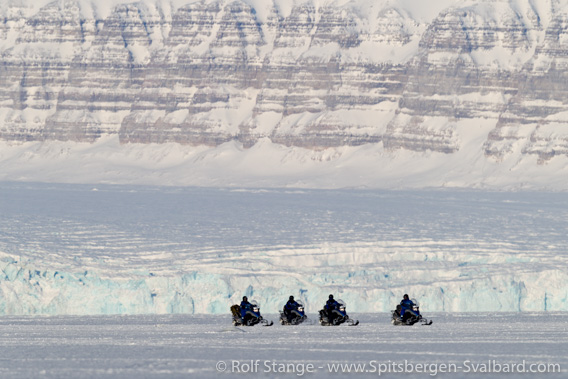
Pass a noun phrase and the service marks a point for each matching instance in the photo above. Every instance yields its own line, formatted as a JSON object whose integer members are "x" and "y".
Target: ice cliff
{"x": 504, "y": 283}
{"x": 71, "y": 250}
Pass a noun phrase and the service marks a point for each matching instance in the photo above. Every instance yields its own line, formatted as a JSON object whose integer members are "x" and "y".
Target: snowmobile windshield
{"x": 300, "y": 305}
{"x": 341, "y": 305}
{"x": 255, "y": 306}
{"x": 416, "y": 303}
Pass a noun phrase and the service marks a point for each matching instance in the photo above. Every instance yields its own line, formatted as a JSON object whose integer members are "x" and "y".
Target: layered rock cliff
{"x": 315, "y": 74}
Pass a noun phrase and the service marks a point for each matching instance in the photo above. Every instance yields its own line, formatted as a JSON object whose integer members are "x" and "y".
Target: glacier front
{"x": 79, "y": 249}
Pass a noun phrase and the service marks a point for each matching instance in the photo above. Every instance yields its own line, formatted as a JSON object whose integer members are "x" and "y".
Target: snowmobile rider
{"x": 406, "y": 305}
{"x": 329, "y": 306}
{"x": 290, "y": 306}
{"x": 245, "y": 305}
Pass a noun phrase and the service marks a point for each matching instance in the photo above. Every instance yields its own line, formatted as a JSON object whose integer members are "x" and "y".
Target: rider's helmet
{"x": 331, "y": 296}
{"x": 245, "y": 298}
{"x": 291, "y": 298}
{"x": 405, "y": 297}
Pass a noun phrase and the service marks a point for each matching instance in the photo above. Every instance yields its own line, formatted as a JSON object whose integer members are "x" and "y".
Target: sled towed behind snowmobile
{"x": 251, "y": 317}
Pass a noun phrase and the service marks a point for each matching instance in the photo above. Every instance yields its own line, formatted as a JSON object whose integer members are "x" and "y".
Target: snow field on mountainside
{"x": 270, "y": 165}
{"x": 81, "y": 249}
{"x": 482, "y": 345}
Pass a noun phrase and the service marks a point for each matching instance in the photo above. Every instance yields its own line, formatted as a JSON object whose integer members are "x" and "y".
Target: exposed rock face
{"x": 313, "y": 75}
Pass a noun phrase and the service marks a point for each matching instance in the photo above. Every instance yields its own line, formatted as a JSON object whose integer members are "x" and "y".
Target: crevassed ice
{"x": 134, "y": 250}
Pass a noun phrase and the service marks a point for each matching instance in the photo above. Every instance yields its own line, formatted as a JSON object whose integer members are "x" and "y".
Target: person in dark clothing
{"x": 406, "y": 305}
{"x": 245, "y": 305}
{"x": 329, "y": 306}
{"x": 290, "y": 306}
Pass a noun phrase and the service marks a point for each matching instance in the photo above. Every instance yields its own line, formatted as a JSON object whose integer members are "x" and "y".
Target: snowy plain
{"x": 478, "y": 345}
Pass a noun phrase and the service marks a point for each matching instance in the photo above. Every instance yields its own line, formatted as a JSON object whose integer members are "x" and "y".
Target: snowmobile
{"x": 295, "y": 317}
{"x": 409, "y": 318}
{"x": 251, "y": 317}
{"x": 336, "y": 316}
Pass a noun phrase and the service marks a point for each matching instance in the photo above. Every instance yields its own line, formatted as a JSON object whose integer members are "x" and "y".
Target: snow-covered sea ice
{"x": 486, "y": 345}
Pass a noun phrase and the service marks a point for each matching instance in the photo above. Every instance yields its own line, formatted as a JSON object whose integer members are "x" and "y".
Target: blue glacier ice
{"x": 68, "y": 249}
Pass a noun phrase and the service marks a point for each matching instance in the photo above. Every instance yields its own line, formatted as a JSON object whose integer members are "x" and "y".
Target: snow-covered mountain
{"x": 381, "y": 93}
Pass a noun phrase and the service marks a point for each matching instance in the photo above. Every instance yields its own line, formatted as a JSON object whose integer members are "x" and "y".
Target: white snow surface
{"x": 486, "y": 345}
{"x": 267, "y": 164}
{"x": 107, "y": 249}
